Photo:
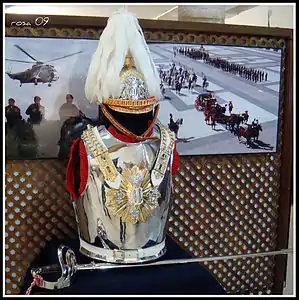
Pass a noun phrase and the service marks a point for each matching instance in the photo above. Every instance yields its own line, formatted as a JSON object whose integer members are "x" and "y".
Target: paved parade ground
{"x": 261, "y": 99}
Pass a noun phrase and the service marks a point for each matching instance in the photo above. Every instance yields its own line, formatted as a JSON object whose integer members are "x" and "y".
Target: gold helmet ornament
{"x": 134, "y": 95}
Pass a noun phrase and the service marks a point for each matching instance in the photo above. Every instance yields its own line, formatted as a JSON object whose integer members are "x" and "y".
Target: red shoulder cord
{"x": 70, "y": 170}
{"x": 175, "y": 161}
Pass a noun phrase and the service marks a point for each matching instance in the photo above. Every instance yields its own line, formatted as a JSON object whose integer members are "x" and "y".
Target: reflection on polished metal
{"x": 68, "y": 266}
{"x": 123, "y": 213}
{"x": 202, "y": 13}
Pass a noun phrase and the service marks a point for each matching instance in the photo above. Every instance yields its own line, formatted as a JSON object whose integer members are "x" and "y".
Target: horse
{"x": 219, "y": 113}
{"x": 220, "y": 117}
{"x": 174, "y": 126}
{"x": 219, "y": 108}
{"x": 71, "y": 129}
{"x": 212, "y": 120}
{"x": 255, "y": 132}
{"x": 233, "y": 120}
{"x": 249, "y": 133}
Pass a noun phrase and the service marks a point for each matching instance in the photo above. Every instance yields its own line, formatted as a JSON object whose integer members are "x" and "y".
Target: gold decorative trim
{"x": 128, "y": 110}
{"x": 137, "y": 197}
{"x": 100, "y": 152}
{"x": 167, "y": 138}
{"x": 131, "y": 106}
{"x": 130, "y": 103}
{"x": 152, "y": 35}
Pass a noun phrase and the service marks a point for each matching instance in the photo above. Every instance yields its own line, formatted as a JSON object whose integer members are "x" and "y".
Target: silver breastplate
{"x": 125, "y": 220}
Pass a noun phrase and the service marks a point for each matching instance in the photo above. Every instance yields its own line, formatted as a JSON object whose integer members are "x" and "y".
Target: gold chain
{"x": 127, "y": 132}
{"x": 106, "y": 165}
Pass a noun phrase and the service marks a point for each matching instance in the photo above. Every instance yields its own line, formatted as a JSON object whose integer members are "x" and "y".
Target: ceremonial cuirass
{"x": 123, "y": 218}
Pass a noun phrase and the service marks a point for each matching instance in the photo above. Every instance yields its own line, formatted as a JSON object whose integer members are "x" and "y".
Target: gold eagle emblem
{"x": 136, "y": 198}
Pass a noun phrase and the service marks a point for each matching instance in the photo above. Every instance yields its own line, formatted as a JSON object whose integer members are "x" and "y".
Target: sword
{"x": 68, "y": 265}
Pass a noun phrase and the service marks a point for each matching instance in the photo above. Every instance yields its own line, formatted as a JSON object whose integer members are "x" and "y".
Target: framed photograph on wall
{"x": 218, "y": 97}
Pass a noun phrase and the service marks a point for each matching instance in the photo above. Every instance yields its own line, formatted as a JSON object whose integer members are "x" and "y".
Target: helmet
{"x": 128, "y": 226}
{"x": 122, "y": 74}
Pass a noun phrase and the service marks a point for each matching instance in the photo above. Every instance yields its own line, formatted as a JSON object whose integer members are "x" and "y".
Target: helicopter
{"x": 40, "y": 72}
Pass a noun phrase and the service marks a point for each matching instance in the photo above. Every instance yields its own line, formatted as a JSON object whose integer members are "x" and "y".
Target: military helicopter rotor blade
{"x": 63, "y": 57}
{"x": 25, "y": 52}
{"x": 16, "y": 60}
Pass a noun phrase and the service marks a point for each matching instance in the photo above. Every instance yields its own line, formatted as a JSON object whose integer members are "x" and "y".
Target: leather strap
{"x": 121, "y": 256}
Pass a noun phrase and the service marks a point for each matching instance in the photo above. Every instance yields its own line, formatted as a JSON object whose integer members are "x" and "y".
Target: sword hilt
{"x": 67, "y": 268}
{"x": 46, "y": 270}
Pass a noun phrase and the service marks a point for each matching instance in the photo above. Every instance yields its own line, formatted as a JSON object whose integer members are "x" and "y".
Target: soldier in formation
{"x": 178, "y": 76}
{"x": 248, "y": 73}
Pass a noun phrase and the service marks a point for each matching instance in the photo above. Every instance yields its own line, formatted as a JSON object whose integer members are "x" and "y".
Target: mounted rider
{"x": 255, "y": 122}
{"x": 245, "y": 115}
{"x": 230, "y": 106}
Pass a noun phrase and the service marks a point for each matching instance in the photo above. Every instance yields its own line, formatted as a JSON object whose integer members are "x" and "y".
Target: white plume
{"x": 121, "y": 34}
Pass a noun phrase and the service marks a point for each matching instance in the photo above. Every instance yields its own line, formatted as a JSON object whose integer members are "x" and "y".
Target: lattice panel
{"x": 37, "y": 209}
{"x": 222, "y": 206}
{"x": 227, "y": 206}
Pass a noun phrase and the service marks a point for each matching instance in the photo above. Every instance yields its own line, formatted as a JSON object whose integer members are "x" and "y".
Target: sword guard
{"x": 67, "y": 262}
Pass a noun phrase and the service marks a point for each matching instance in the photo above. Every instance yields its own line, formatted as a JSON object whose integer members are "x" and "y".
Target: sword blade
{"x": 105, "y": 266}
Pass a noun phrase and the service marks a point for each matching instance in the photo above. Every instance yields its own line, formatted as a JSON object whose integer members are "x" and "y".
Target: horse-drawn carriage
{"x": 215, "y": 113}
{"x": 205, "y": 101}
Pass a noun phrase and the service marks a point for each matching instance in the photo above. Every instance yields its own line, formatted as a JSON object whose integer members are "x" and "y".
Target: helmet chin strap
{"x": 127, "y": 132}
